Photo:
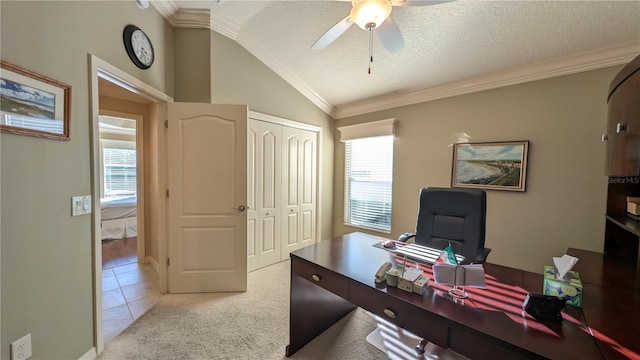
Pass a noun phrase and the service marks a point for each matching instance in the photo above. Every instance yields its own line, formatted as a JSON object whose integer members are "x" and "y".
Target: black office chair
{"x": 456, "y": 216}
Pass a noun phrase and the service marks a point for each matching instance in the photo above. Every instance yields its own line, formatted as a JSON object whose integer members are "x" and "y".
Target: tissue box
{"x": 570, "y": 290}
{"x": 405, "y": 282}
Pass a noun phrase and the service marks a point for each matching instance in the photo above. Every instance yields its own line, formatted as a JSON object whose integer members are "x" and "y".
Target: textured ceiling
{"x": 460, "y": 42}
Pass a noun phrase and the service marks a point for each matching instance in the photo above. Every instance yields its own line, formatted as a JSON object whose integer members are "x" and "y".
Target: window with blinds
{"x": 119, "y": 172}
{"x": 368, "y": 182}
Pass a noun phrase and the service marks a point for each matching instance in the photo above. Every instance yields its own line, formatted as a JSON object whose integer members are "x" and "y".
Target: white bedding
{"x": 119, "y": 217}
{"x": 118, "y": 208}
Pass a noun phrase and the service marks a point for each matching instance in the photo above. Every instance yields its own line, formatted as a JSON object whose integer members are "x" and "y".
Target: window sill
{"x": 368, "y": 228}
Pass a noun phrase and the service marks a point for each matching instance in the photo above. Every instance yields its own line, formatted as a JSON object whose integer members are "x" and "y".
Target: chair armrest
{"x": 405, "y": 237}
{"x": 482, "y": 254}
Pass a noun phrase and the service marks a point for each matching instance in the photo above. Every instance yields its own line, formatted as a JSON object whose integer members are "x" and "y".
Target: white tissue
{"x": 564, "y": 264}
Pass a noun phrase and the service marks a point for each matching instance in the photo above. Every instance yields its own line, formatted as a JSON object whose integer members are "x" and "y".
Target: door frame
{"x": 318, "y": 130}
{"x": 101, "y": 69}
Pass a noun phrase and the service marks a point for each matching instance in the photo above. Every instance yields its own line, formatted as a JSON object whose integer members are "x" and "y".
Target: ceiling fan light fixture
{"x": 369, "y": 14}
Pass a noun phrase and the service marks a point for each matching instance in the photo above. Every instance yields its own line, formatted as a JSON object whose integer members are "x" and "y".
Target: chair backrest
{"x": 452, "y": 215}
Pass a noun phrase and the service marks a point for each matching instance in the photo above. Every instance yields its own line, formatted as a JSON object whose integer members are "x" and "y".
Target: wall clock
{"x": 138, "y": 46}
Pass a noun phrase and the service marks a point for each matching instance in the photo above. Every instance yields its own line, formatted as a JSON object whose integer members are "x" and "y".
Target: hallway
{"x": 129, "y": 289}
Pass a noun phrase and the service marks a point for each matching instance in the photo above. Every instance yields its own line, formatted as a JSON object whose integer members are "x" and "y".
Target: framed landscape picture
{"x": 32, "y": 104}
{"x": 491, "y": 165}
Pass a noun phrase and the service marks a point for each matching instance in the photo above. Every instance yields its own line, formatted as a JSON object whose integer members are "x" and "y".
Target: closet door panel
{"x": 251, "y": 196}
{"x": 292, "y": 230}
{"x": 307, "y": 226}
{"x": 269, "y": 177}
{"x": 265, "y": 197}
{"x": 291, "y": 162}
{"x": 300, "y": 188}
{"x": 308, "y": 182}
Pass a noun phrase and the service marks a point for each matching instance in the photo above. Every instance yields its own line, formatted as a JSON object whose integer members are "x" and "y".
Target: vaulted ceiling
{"x": 450, "y": 48}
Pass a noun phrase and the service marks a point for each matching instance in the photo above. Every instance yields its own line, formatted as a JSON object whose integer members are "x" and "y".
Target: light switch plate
{"x": 80, "y": 205}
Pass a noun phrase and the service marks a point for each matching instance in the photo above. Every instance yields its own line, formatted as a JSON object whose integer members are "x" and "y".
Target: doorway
{"x": 119, "y": 95}
{"x": 129, "y": 282}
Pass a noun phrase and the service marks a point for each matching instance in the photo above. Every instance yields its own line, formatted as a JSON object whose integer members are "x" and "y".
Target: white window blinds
{"x": 368, "y": 182}
{"x": 119, "y": 171}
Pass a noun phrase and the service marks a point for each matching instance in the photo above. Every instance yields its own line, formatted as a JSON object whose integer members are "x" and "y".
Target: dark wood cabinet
{"x": 622, "y": 233}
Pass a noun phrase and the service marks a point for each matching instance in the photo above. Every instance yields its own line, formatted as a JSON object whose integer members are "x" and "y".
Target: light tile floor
{"x": 128, "y": 291}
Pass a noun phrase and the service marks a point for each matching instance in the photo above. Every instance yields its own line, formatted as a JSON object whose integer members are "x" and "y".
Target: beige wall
{"x": 237, "y": 77}
{"x": 193, "y": 65}
{"x": 46, "y": 255}
{"x": 564, "y": 202}
{"x": 47, "y": 280}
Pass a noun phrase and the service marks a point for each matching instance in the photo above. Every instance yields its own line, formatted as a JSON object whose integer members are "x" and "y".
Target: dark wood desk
{"x": 610, "y": 304}
{"x": 331, "y": 278}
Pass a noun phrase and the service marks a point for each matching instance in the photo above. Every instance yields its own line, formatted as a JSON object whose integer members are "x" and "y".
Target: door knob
{"x": 241, "y": 208}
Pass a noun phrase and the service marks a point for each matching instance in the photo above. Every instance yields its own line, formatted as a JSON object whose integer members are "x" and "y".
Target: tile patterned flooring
{"x": 129, "y": 289}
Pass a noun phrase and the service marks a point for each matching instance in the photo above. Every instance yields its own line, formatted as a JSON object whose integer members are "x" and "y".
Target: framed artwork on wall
{"x": 490, "y": 165}
{"x": 33, "y": 104}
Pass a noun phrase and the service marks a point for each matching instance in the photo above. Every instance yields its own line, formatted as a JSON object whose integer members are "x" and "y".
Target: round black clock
{"x": 138, "y": 46}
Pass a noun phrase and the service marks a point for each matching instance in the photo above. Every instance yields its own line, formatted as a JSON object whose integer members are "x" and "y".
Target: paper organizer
{"x": 462, "y": 275}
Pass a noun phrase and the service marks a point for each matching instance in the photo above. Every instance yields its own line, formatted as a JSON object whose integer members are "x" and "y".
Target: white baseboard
{"x": 89, "y": 355}
{"x": 153, "y": 263}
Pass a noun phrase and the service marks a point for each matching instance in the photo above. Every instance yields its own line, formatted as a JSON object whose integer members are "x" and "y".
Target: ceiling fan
{"x": 370, "y": 15}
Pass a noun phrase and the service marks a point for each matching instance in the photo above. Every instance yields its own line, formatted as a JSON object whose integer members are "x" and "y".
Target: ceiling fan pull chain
{"x": 370, "y": 48}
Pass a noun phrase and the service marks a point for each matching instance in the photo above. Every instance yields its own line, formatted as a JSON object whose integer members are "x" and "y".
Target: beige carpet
{"x": 249, "y": 325}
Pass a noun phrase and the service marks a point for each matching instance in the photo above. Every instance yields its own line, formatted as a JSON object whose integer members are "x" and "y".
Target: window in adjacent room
{"x": 118, "y": 157}
{"x": 119, "y": 171}
{"x": 368, "y": 176}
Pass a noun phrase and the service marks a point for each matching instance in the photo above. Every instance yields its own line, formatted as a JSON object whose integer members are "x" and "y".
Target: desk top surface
{"x": 495, "y": 311}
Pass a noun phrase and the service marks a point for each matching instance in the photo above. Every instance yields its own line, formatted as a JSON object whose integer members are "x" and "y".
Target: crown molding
{"x": 591, "y": 60}
{"x": 166, "y": 9}
{"x": 282, "y": 71}
{"x": 223, "y": 26}
{"x": 204, "y": 19}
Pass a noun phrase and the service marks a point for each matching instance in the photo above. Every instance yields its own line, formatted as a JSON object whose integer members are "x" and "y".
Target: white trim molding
{"x": 368, "y": 129}
{"x": 282, "y": 121}
{"x": 590, "y": 60}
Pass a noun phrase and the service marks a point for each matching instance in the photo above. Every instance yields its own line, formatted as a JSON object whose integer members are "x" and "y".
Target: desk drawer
{"x": 407, "y": 316}
{"x": 321, "y": 277}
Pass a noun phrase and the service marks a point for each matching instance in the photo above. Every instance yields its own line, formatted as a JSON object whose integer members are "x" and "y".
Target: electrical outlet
{"x": 21, "y": 348}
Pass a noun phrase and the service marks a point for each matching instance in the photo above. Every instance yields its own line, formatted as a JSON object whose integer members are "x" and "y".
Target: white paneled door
{"x": 264, "y": 170}
{"x": 207, "y": 180}
{"x": 282, "y": 163}
{"x": 300, "y": 155}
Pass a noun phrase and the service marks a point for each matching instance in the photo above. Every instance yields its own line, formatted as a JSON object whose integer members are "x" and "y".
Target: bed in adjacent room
{"x": 119, "y": 217}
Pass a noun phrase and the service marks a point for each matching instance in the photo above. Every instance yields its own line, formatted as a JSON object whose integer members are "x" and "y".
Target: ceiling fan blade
{"x": 390, "y": 36}
{"x": 418, "y": 2}
{"x": 333, "y": 33}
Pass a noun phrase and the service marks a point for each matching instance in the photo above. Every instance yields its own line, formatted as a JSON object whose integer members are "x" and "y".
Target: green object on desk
{"x": 570, "y": 290}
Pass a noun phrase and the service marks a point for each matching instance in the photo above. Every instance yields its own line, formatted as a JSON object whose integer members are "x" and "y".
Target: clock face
{"x": 138, "y": 46}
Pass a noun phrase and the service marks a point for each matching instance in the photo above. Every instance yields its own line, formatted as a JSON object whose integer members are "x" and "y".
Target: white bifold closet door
{"x": 299, "y": 189}
{"x": 282, "y": 164}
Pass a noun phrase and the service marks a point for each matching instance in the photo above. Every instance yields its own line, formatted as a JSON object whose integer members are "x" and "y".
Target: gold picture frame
{"x": 490, "y": 165}
{"x": 33, "y": 104}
